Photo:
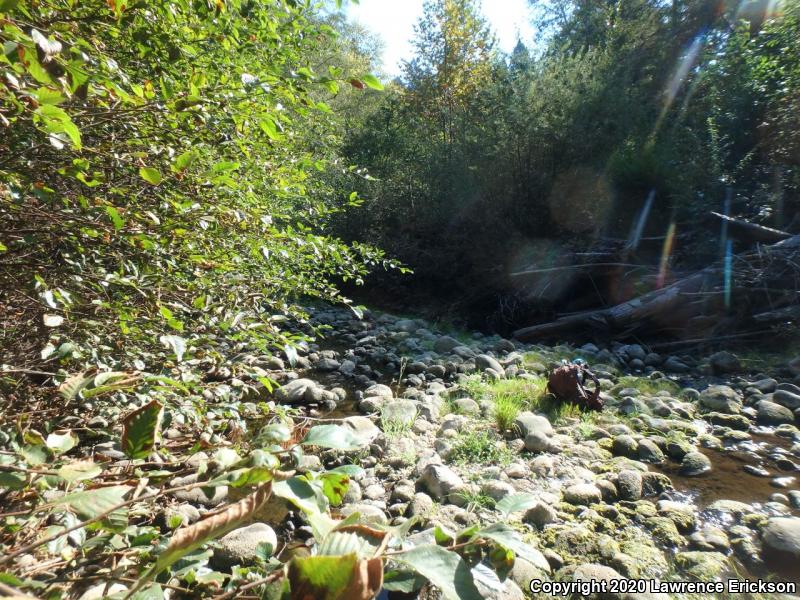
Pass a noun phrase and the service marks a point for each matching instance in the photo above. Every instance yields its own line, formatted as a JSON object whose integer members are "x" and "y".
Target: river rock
{"x": 772, "y": 413}
{"x": 782, "y": 535}
{"x": 300, "y": 391}
{"x": 421, "y": 506}
{"x": 537, "y": 441}
{"x": 445, "y": 344}
{"x": 402, "y": 412}
{"x": 378, "y": 389}
{"x": 786, "y": 398}
{"x": 362, "y": 427}
{"x": 440, "y": 481}
{"x": 721, "y": 398}
{"x": 466, "y": 406}
{"x": 104, "y": 590}
{"x": 649, "y": 452}
{"x": 701, "y": 566}
{"x": 240, "y": 545}
{"x": 629, "y": 485}
{"x": 675, "y": 365}
{"x": 724, "y": 362}
{"x": 484, "y": 361}
{"x": 695, "y": 463}
{"x": 541, "y": 514}
{"x": 583, "y": 494}
{"x": 369, "y": 513}
{"x": 527, "y": 423}
{"x": 625, "y": 445}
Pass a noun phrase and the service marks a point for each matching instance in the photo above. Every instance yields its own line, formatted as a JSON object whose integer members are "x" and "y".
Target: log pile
{"x": 749, "y": 293}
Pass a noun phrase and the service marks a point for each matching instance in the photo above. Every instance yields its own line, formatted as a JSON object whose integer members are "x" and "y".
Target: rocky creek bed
{"x": 691, "y": 471}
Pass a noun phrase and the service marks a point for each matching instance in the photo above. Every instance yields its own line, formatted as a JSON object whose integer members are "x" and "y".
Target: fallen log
{"x": 751, "y": 232}
{"x": 760, "y": 281}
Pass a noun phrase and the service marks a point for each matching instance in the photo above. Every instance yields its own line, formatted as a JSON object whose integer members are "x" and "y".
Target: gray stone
{"x": 772, "y": 413}
{"x": 440, "y": 481}
{"x": 583, "y": 494}
{"x": 197, "y": 496}
{"x": 300, "y": 391}
{"x": 103, "y": 590}
{"x": 782, "y": 535}
{"x": 527, "y": 423}
{"x": 648, "y": 451}
{"x": 765, "y": 386}
{"x": 402, "y": 412}
{"x": 484, "y": 361}
{"x": 721, "y": 398}
{"x": 445, "y": 344}
{"x": 421, "y": 505}
{"x": 629, "y": 485}
{"x": 540, "y": 515}
{"x": 379, "y": 389}
{"x": 695, "y": 463}
{"x": 625, "y": 445}
{"x": 466, "y": 406}
{"x": 675, "y": 365}
{"x": 724, "y": 362}
{"x": 239, "y": 546}
{"x": 497, "y": 490}
{"x": 370, "y": 514}
{"x": 537, "y": 441}
{"x": 328, "y": 364}
{"x": 362, "y": 427}
{"x": 786, "y": 398}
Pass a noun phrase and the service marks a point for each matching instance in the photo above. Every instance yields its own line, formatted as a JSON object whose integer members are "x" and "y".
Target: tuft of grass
{"x": 477, "y": 500}
{"x": 509, "y": 396}
{"x": 479, "y": 448}
{"x": 394, "y": 428}
{"x": 646, "y": 386}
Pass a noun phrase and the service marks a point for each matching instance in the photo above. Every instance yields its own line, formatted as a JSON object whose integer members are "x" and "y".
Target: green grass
{"x": 477, "y": 500}
{"x": 479, "y": 448}
{"x": 509, "y": 396}
{"x": 646, "y": 386}
{"x": 394, "y": 428}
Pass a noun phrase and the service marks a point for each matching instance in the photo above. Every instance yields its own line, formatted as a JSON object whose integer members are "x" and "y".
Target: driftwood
{"x": 750, "y": 232}
{"x": 761, "y": 286}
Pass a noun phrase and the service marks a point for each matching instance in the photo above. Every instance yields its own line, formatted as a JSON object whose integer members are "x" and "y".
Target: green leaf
{"x": 334, "y": 486}
{"x": 372, "y": 82}
{"x": 508, "y": 538}
{"x": 300, "y": 493}
{"x": 59, "y": 444}
{"x": 335, "y": 577}
{"x": 72, "y": 386}
{"x": 185, "y": 160}
{"x": 140, "y": 429}
{"x": 81, "y": 470}
{"x": 12, "y": 481}
{"x": 56, "y": 120}
{"x": 405, "y": 582}
{"x": 360, "y": 540}
{"x": 176, "y": 343}
{"x": 444, "y": 569}
{"x": 275, "y": 433}
{"x": 93, "y": 503}
{"x": 150, "y": 175}
{"x": 335, "y": 437}
{"x": 115, "y": 217}
{"x": 515, "y": 503}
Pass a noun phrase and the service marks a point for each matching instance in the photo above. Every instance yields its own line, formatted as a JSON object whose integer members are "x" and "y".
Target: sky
{"x": 393, "y": 21}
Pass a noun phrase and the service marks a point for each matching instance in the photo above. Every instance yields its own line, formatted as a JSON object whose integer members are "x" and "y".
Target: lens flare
{"x": 728, "y": 272}
{"x": 636, "y": 234}
{"x": 685, "y": 66}
{"x": 666, "y": 253}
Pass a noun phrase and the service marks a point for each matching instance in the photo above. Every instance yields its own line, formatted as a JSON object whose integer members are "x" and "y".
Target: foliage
{"x": 560, "y": 146}
{"x": 479, "y": 448}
